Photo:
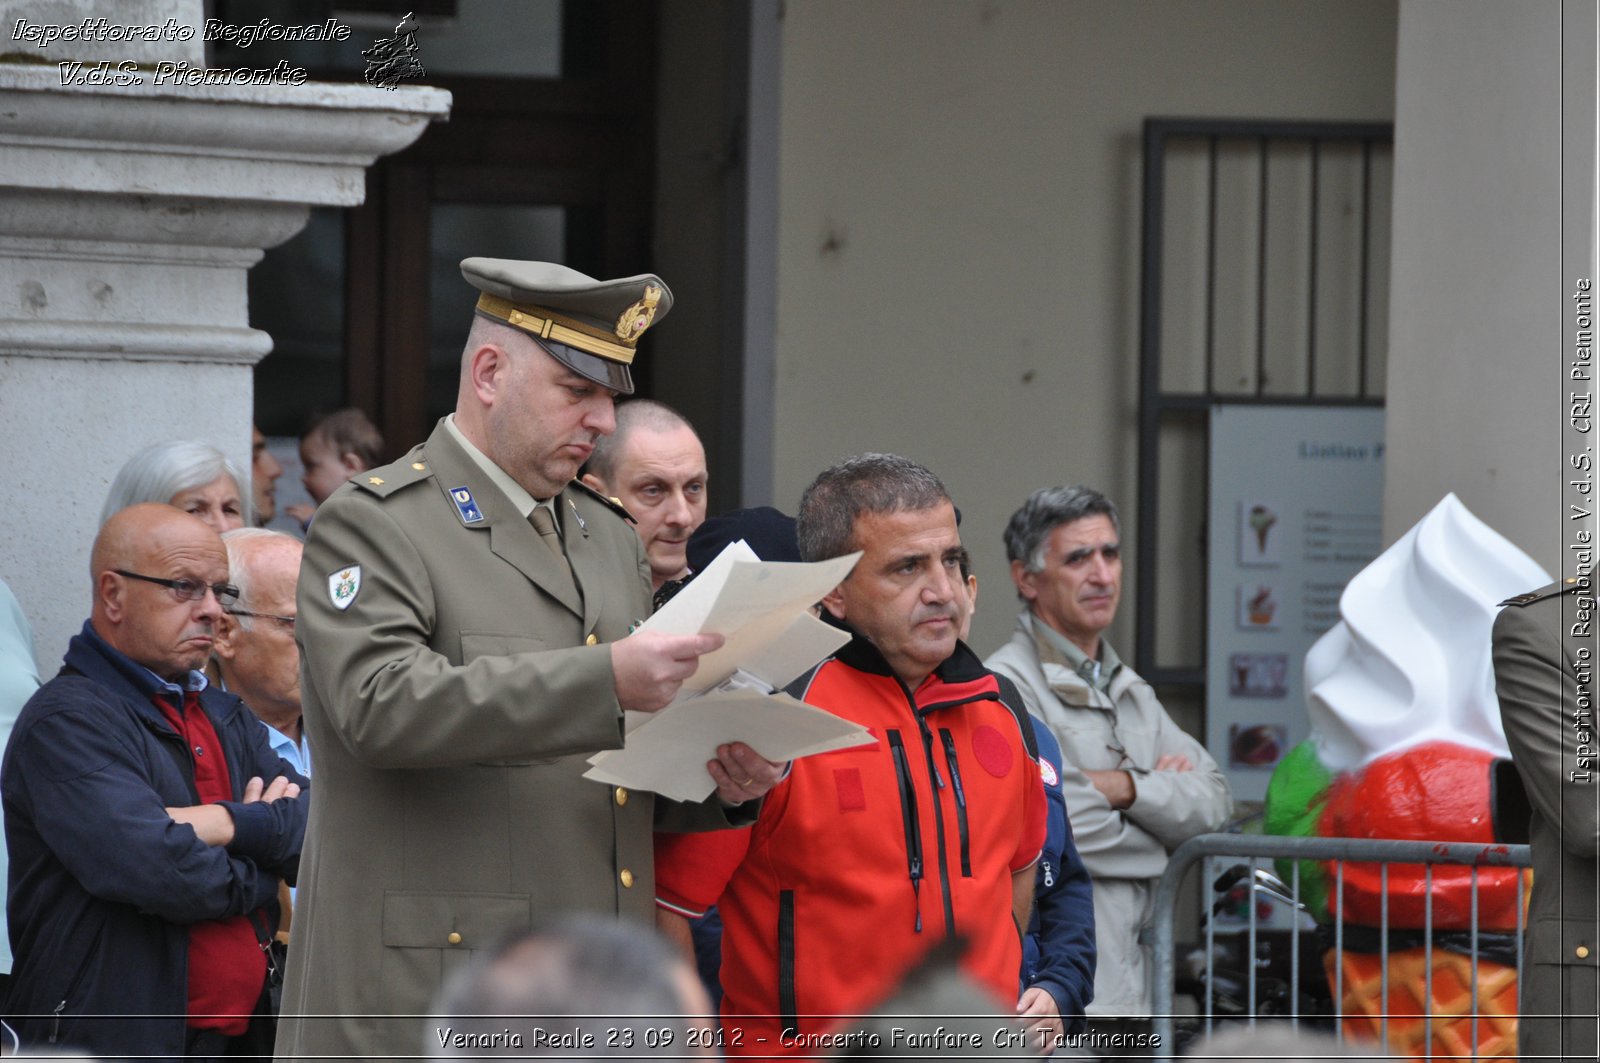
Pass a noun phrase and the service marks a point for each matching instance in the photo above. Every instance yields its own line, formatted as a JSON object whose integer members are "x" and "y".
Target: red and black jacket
{"x": 865, "y": 858}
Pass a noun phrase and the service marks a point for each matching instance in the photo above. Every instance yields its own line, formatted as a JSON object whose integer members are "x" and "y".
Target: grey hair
{"x": 569, "y": 972}
{"x": 631, "y": 415}
{"x": 160, "y": 471}
{"x": 1046, "y": 510}
{"x": 236, "y": 541}
{"x": 865, "y": 483}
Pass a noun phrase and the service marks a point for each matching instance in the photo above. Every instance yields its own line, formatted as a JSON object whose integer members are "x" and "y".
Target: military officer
{"x": 464, "y": 622}
{"x": 1544, "y": 647}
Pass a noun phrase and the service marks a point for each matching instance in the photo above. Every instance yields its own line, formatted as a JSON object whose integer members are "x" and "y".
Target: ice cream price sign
{"x": 1296, "y": 503}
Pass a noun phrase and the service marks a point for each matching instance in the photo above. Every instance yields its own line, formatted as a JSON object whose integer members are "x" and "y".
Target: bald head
{"x": 655, "y": 466}
{"x": 255, "y": 649}
{"x": 632, "y": 415}
{"x": 148, "y": 622}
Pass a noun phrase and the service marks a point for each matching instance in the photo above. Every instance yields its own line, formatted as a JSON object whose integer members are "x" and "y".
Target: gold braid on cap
{"x": 546, "y": 325}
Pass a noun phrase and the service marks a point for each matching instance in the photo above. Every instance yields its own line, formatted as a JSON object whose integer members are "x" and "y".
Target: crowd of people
{"x": 457, "y": 634}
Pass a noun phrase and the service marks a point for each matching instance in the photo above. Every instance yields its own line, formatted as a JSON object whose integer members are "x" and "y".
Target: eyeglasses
{"x": 286, "y": 621}
{"x": 189, "y": 590}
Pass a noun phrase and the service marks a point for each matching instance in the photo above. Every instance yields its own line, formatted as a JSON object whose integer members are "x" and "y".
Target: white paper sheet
{"x": 667, "y": 752}
{"x": 762, "y": 608}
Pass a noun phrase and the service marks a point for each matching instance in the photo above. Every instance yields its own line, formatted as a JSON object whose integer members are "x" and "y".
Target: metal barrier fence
{"x": 1259, "y": 849}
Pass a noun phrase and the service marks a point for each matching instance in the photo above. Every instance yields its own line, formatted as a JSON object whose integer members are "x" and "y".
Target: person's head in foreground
{"x": 576, "y": 989}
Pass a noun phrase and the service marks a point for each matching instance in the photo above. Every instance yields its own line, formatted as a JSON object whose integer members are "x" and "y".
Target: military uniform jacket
{"x": 1544, "y": 646}
{"x": 454, "y": 682}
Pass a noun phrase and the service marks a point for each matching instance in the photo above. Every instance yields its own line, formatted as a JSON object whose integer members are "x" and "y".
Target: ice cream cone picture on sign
{"x": 1260, "y": 531}
{"x": 1258, "y": 607}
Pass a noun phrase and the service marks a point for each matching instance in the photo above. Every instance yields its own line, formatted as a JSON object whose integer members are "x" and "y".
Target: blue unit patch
{"x": 470, "y": 513}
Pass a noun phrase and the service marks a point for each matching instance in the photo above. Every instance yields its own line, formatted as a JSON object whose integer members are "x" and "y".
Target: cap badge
{"x": 637, "y": 318}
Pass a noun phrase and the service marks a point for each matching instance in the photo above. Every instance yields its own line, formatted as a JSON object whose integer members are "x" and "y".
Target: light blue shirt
{"x": 19, "y": 678}
{"x": 298, "y": 754}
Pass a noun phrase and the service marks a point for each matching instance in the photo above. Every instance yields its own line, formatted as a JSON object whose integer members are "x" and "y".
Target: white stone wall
{"x": 1481, "y": 308}
{"x": 66, "y": 426}
{"x": 129, "y": 217}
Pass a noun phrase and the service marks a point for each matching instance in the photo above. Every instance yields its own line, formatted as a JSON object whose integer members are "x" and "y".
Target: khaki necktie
{"x": 545, "y": 525}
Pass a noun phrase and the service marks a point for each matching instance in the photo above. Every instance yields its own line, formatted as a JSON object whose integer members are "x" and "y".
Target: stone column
{"x": 130, "y": 213}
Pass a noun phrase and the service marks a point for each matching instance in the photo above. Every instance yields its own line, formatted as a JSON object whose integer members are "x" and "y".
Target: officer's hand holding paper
{"x": 763, "y": 610}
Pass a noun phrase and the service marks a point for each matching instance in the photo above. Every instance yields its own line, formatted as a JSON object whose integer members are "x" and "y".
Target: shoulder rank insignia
{"x": 605, "y": 500}
{"x": 466, "y": 505}
{"x": 1566, "y": 586}
{"x": 387, "y": 479}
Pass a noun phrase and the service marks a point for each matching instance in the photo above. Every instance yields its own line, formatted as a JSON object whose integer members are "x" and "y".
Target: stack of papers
{"x": 763, "y": 610}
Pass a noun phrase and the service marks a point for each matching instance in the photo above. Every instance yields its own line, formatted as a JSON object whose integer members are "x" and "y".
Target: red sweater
{"x": 226, "y": 965}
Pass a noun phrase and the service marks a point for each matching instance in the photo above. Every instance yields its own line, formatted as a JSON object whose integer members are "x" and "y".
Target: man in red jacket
{"x": 864, "y": 859}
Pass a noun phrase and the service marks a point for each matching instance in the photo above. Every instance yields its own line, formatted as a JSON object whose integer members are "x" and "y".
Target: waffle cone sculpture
{"x": 1411, "y": 999}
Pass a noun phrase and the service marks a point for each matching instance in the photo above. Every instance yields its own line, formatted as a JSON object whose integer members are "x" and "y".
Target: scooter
{"x": 1221, "y": 980}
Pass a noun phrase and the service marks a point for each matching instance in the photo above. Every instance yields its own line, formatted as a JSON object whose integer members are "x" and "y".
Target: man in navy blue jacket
{"x": 147, "y": 820}
{"x": 1058, "y": 951}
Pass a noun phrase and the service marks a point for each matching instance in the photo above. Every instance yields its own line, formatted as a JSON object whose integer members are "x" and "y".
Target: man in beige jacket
{"x": 1136, "y": 785}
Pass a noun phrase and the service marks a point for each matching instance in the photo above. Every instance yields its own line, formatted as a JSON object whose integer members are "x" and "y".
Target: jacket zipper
{"x": 788, "y": 1008}
{"x": 55, "y": 1020}
{"x": 909, "y": 819}
{"x": 961, "y": 798}
{"x": 921, "y": 716}
{"x": 938, "y": 812}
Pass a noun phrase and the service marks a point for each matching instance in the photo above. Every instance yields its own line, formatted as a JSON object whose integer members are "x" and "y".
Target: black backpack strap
{"x": 1011, "y": 698}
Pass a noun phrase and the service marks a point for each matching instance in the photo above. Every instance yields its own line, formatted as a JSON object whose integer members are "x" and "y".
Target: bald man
{"x": 654, "y": 465}
{"x": 256, "y": 652}
{"x": 147, "y": 820}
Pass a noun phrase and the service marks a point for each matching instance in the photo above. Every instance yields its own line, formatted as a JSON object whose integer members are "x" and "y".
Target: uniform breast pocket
{"x": 428, "y": 935}
{"x": 1571, "y": 942}
{"x": 476, "y": 644}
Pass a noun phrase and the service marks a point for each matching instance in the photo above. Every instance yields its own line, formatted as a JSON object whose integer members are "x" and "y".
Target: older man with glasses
{"x": 255, "y": 651}
{"x": 147, "y": 820}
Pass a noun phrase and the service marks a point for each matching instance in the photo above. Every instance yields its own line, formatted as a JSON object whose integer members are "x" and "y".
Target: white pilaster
{"x": 129, "y": 216}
